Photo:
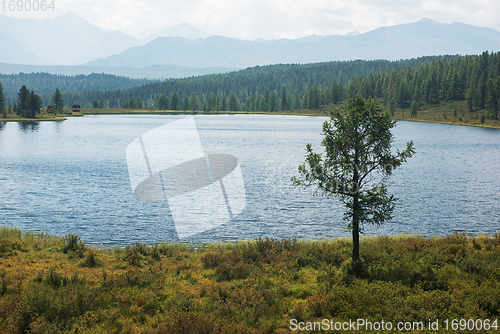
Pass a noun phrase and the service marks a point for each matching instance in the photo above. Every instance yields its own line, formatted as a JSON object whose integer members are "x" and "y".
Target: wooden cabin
{"x": 76, "y": 108}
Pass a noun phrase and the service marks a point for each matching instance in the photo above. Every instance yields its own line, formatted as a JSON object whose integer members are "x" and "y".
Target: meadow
{"x": 55, "y": 284}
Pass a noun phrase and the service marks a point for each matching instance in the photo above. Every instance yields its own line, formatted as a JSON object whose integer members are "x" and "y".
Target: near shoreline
{"x": 54, "y": 284}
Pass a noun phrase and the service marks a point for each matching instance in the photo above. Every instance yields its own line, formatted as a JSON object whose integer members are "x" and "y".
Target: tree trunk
{"x": 355, "y": 208}
{"x": 355, "y": 230}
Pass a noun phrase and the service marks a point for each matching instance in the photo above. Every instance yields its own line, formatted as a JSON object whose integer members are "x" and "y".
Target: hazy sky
{"x": 251, "y": 19}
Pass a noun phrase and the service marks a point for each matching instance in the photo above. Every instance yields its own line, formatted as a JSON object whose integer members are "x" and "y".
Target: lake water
{"x": 72, "y": 177}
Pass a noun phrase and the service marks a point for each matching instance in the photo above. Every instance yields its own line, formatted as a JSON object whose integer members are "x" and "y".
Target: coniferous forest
{"x": 411, "y": 84}
{"x": 414, "y": 84}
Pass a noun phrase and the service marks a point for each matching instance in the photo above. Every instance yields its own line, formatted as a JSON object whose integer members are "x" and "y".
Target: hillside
{"x": 251, "y": 83}
{"x": 44, "y": 84}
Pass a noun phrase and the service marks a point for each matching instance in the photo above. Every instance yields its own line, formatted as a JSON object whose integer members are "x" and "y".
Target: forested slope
{"x": 44, "y": 84}
{"x": 414, "y": 84}
{"x": 251, "y": 83}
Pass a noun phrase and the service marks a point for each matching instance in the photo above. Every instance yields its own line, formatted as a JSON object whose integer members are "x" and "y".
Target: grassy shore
{"x": 43, "y": 117}
{"x": 446, "y": 113}
{"x": 51, "y": 284}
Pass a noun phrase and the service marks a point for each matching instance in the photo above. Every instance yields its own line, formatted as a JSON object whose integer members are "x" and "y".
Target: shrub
{"x": 55, "y": 279}
{"x": 91, "y": 259}
{"x": 138, "y": 252}
{"x": 72, "y": 243}
{"x": 9, "y": 247}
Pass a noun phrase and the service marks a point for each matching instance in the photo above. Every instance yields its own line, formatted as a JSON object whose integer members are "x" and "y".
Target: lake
{"x": 73, "y": 177}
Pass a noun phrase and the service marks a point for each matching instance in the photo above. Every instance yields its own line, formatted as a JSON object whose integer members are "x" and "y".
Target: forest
{"x": 44, "y": 84}
{"x": 414, "y": 84}
{"x": 258, "y": 88}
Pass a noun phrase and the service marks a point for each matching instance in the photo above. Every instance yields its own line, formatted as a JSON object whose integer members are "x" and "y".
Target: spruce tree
{"x": 3, "y": 108}
{"x": 57, "y": 101}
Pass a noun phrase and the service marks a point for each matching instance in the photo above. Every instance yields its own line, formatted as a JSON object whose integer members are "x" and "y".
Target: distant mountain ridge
{"x": 70, "y": 40}
{"x": 181, "y": 30}
{"x": 65, "y": 40}
{"x": 183, "y": 50}
{"x": 405, "y": 41}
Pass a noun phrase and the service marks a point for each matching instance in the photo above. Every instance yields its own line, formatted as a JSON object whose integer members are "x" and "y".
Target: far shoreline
{"x": 425, "y": 116}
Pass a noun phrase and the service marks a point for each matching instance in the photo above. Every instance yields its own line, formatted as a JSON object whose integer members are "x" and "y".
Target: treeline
{"x": 410, "y": 84}
{"x": 252, "y": 84}
{"x": 28, "y": 104}
{"x": 475, "y": 79}
{"x": 45, "y": 84}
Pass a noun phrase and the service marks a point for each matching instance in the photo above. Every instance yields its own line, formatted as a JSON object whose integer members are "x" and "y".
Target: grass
{"x": 449, "y": 113}
{"x": 52, "y": 284}
{"x": 39, "y": 118}
{"x": 446, "y": 113}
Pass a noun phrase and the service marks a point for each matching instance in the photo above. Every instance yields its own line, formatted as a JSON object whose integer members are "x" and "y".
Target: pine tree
{"x": 57, "y": 101}
{"x": 273, "y": 102}
{"x": 233, "y": 102}
{"x": 34, "y": 105}
{"x": 174, "y": 101}
{"x": 193, "y": 103}
{"x": 3, "y": 109}
{"x": 23, "y": 102}
{"x": 284, "y": 100}
{"x": 493, "y": 95}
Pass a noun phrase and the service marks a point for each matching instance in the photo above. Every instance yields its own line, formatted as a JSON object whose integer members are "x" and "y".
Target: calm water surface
{"x": 72, "y": 177}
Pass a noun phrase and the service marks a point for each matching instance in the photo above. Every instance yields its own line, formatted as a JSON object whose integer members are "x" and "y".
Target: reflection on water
{"x": 28, "y": 126}
{"x": 72, "y": 177}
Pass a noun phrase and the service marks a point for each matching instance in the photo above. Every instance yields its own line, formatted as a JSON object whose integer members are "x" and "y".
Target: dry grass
{"x": 51, "y": 284}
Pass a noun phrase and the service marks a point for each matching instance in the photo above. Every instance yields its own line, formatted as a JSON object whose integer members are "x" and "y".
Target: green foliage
{"x": 9, "y": 247}
{"x": 72, "y": 243}
{"x": 3, "y": 109}
{"x": 23, "y": 101}
{"x": 91, "y": 260}
{"x": 57, "y": 101}
{"x": 357, "y": 142}
{"x": 426, "y": 82}
{"x": 251, "y": 84}
{"x": 174, "y": 101}
{"x": 200, "y": 289}
{"x": 28, "y": 104}
{"x": 137, "y": 253}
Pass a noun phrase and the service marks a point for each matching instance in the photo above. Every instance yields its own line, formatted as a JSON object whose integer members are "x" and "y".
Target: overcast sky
{"x": 252, "y": 19}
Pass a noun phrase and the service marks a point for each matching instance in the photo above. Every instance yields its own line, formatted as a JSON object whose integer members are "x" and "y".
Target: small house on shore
{"x": 76, "y": 108}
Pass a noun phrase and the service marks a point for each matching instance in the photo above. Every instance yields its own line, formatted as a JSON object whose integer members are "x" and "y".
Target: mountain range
{"x": 71, "y": 41}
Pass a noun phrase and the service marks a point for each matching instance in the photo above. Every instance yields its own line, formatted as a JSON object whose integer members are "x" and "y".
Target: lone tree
{"x": 358, "y": 159}
{"x": 57, "y": 101}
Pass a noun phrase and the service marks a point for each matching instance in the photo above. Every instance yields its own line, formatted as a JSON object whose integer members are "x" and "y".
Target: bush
{"x": 9, "y": 247}
{"x": 72, "y": 243}
{"x": 91, "y": 260}
{"x": 55, "y": 279}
